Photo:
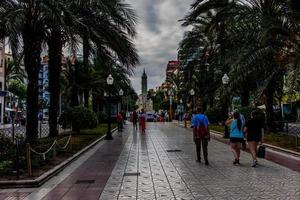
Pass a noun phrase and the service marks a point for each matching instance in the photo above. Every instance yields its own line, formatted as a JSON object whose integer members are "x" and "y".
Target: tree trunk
{"x": 86, "y": 51}
{"x": 32, "y": 62}
{"x": 86, "y": 95}
{"x": 55, "y": 54}
{"x": 86, "y": 55}
{"x": 211, "y": 101}
{"x": 74, "y": 96}
{"x": 245, "y": 94}
{"x": 269, "y": 106}
{"x": 95, "y": 103}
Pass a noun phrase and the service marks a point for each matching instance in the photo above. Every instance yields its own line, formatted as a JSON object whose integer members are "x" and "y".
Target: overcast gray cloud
{"x": 159, "y": 33}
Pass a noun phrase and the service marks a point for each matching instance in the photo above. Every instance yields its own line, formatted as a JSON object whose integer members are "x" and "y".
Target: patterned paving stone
{"x": 176, "y": 175}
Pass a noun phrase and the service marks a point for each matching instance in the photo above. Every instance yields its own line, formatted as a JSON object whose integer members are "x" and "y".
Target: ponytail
{"x": 236, "y": 116}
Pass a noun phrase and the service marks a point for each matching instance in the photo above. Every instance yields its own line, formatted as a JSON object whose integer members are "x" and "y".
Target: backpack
{"x": 202, "y": 131}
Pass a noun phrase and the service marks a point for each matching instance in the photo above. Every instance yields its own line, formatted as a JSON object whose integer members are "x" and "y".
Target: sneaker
{"x": 198, "y": 160}
{"x": 236, "y": 162}
{"x": 254, "y": 163}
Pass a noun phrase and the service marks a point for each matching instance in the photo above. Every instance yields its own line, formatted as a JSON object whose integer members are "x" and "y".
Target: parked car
{"x": 150, "y": 116}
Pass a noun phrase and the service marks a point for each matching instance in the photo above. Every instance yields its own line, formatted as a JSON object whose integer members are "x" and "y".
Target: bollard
{"x": 17, "y": 159}
{"x": 185, "y": 123}
{"x": 28, "y": 156}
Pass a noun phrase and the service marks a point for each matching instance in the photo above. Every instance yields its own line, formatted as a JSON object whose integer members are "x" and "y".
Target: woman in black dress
{"x": 254, "y": 129}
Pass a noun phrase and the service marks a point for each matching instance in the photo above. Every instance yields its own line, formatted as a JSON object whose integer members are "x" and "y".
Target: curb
{"x": 52, "y": 172}
{"x": 283, "y": 157}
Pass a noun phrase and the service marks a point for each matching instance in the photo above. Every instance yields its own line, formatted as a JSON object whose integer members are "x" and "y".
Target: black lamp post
{"x": 121, "y": 93}
{"x": 192, "y": 93}
{"x": 180, "y": 110}
{"x": 110, "y": 81}
{"x": 171, "y": 93}
{"x": 225, "y": 81}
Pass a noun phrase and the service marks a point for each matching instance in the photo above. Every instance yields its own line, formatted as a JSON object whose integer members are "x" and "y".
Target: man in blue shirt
{"x": 201, "y": 134}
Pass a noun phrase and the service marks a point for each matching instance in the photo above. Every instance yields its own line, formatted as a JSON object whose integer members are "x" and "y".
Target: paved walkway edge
{"x": 283, "y": 157}
{"x": 49, "y": 174}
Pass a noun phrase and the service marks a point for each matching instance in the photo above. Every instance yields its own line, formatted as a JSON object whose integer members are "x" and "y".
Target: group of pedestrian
{"x": 140, "y": 118}
{"x": 252, "y": 130}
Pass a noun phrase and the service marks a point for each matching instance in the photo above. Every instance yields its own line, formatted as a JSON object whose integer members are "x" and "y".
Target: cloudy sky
{"x": 159, "y": 34}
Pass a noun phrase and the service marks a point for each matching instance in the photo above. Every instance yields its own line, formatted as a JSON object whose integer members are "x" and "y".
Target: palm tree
{"x": 106, "y": 29}
{"x": 24, "y": 22}
{"x": 13, "y": 71}
{"x": 256, "y": 41}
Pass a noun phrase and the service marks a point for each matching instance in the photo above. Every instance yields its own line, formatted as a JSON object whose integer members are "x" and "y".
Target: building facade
{"x": 44, "y": 95}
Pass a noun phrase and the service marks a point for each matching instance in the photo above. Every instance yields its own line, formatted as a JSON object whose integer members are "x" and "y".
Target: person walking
{"x": 236, "y": 135}
{"x": 143, "y": 119}
{"x": 242, "y": 117}
{"x": 201, "y": 134}
{"x": 119, "y": 121}
{"x": 134, "y": 119}
{"x": 254, "y": 129}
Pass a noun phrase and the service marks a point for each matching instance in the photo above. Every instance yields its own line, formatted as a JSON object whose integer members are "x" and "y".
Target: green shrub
{"x": 246, "y": 111}
{"x": 5, "y": 166}
{"x": 101, "y": 117}
{"x": 83, "y": 118}
{"x": 215, "y": 115}
{"x": 65, "y": 119}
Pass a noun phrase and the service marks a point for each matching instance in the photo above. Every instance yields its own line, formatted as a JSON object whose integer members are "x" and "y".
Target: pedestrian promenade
{"x": 162, "y": 165}
{"x": 176, "y": 175}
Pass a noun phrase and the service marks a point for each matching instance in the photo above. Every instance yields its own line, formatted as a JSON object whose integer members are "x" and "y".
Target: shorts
{"x": 236, "y": 140}
{"x": 254, "y": 138}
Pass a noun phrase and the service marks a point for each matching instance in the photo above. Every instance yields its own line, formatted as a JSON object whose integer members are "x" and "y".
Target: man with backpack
{"x": 201, "y": 134}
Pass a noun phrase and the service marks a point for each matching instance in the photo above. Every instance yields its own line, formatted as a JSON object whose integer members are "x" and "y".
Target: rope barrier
{"x": 55, "y": 142}
{"x": 65, "y": 146}
{"x": 44, "y": 153}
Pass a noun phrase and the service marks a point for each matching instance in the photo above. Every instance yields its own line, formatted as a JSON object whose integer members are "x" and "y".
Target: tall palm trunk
{"x": 95, "y": 103}
{"x": 32, "y": 62}
{"x": 86, "y": 95}
{"x": 55, "y": 54}
{"x": 74, "y": 96}
{"x": 245, "y": 94}
{"x": 86, "y": 55}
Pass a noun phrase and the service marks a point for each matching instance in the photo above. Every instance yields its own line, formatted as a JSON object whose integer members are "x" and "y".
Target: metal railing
{"x": 20, "y": 130}
{"x": 291, "y": 129}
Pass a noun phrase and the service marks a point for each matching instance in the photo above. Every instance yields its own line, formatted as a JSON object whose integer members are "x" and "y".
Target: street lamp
{"x": 225, "y": 81}
{"x": 121, "y": 93}
{"x": 171, "y": 93}
{"x": 192, "y": 93}
{"x": 180, "y": 110}
{"x": 109, "y": 81}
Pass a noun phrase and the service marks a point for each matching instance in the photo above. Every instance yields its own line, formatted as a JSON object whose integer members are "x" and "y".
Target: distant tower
{"x": 144, "y": 89}
{"x": 144, "y": 83}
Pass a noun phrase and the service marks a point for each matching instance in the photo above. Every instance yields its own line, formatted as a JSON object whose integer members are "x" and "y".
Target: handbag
{"x": 261, "y": 152}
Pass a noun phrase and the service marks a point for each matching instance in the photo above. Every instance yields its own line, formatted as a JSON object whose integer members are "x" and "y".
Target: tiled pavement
{"x": 168, "y": 175}
{"x": 176, "y": 175}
